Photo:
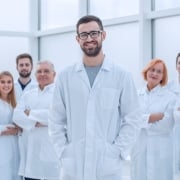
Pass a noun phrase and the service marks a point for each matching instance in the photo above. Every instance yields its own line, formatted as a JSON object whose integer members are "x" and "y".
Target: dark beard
{"x": 92, "y": 52}
{"x": 24, "y": 75}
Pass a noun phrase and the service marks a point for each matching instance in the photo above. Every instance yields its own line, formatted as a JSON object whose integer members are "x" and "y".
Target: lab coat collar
{"x": 107, "y": 65}
{"x": 47, "y": 87}
{"x": 157, "y": 90}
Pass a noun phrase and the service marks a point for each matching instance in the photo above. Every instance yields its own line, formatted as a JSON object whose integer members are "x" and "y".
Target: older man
{"x": 38, "y": 160}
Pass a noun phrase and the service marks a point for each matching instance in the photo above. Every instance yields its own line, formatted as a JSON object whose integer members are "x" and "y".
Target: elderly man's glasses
{"x": 92, "y": 34}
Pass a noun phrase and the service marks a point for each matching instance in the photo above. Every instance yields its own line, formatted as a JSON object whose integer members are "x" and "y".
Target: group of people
{"x": 84, "y": 125}
{"x": 26, "y": 150}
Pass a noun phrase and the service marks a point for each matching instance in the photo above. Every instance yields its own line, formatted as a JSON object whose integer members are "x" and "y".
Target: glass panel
{"x": 114, "y": 8}
{"x": 66, "y": 53}
{"x": 122, "y": 46}
{"x": 59, "y": 13}
{"x": 11, "y": 48}
{"x": 166, "y": 4}
{"x": 166, "y": 42}
{"x": 14, "y": 15}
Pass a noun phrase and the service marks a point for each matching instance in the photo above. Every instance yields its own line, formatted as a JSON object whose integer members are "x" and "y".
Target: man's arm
{"x": 20, "y": 117}
{"x": 57, "y": 120}
{"x": 130, "y": 117}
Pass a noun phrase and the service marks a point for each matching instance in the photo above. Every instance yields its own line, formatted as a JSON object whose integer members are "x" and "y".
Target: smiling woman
{"x": 155, "y": 73}
{"x": 154, "y": 148}
{"x": 9, "y": 153}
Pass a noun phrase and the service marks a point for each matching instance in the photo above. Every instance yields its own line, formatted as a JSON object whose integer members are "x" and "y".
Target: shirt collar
{"x": 156, "y": 89}
{"x": 145, "y": 90}
{"x": 47, "y": 87}
{"x": 107, "y": 65}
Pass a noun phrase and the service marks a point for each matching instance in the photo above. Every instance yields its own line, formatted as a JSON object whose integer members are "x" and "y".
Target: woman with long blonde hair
{"x": 9, "y": 153}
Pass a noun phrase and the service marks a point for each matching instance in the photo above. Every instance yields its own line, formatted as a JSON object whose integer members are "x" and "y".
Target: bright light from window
{"x": 114, "y": 8}
{"x": 59, "y": 13}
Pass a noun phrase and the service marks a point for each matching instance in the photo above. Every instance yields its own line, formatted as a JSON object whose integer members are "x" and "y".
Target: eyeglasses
{"x": 92, "y": 34}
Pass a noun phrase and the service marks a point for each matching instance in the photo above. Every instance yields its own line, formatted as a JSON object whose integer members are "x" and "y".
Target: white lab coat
{"x": 39, "y": 159}
{"x": 9, "y": 152}
{"x": 177, "y": 112}
{"x": 174, "y": 86}
{"x": 152, "y": 156}
{"x": 94, "y": 128}
{"x": 18, "y": 90}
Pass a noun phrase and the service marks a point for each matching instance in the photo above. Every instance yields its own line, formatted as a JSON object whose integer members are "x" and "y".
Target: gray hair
{"x": 46, "y": 62}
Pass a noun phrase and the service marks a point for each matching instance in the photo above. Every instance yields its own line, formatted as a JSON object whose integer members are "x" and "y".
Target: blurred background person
{"x": 174, "y": 86}
{"x": 24, "y": 66}
{"x": 176, "y": 138}
{"x": 9, "y": 153}
{"x": 152, "y": 156}
{"x": 31, "y": 114}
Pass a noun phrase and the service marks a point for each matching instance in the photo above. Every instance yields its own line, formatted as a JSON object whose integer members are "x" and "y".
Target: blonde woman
{"x": 9, "y": 155}
{"x": 152, "y": 156}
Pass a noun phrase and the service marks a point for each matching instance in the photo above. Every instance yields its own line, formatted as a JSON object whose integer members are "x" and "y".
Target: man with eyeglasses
{"x": 94, "y": 114}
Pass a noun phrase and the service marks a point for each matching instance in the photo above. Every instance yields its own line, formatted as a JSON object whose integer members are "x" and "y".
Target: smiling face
{"x": 155, "y": 75}
{"x": 91, "y": 46}
{"x": 44, "y": 74}
{"x": 6, "y": 85}
{"x": 24, "y": 67}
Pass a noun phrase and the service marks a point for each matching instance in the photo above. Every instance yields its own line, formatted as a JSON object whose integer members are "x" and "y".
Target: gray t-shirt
{"x": 92, "y": 72}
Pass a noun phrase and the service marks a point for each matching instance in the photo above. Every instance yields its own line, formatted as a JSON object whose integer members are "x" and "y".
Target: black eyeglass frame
{"x": 86, "y": 34}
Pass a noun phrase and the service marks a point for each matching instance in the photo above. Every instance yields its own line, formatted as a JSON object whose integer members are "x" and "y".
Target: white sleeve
{"x": 177, "y": 112}
{"x": 131, "y": 117}
{"x": 20, "y": 118}
{"x": 57, "y": 120}
{"x": 39, "y": 115}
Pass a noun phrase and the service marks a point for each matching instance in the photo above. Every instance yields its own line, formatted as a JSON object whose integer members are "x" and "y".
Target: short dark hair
{"x": 89, "y": 18}
{"x": 178, "y": 55}
{"x": 24, "y": 55}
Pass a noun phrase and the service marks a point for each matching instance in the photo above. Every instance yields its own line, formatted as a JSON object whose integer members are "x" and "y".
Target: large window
{"x": 10, "y": 48}
{"x": 58, "y": 13}
{"x": 137, "y": 30}
{"x": 15, "y": 15}
{"x": 167, "y": 41}
{"x": 114, "y": 8}
{"x": 166, "y": 4}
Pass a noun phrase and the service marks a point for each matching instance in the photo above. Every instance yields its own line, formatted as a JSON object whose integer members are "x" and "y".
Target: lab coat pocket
{"x": 109, "y": 98}
{"x": 68, "y": 162}
{"x": 110, "y": 162}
